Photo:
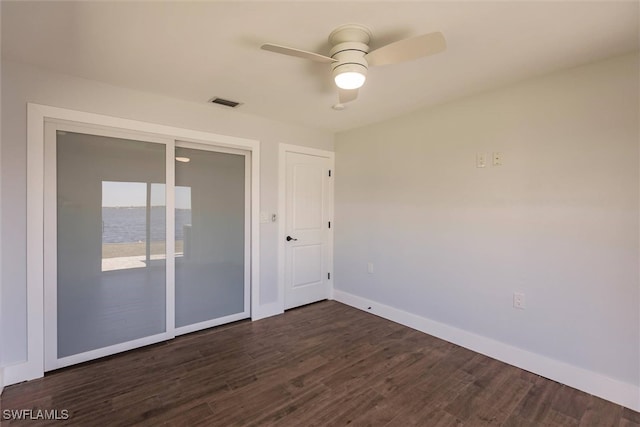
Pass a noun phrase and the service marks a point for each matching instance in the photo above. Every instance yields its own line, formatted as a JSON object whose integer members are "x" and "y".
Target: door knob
{"x": 289, "y": 238}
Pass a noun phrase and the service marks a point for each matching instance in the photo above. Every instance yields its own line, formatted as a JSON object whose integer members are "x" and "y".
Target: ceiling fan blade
{"x": 407, "y": 49}
{"x": 345, "y": 95}
{"x": 296, "y": 52}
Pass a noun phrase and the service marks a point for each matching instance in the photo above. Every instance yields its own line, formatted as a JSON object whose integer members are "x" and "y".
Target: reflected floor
{"x": 124, "y": 305}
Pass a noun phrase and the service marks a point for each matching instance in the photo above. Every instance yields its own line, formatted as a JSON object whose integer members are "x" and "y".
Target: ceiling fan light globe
{"x": 350, "y": 80}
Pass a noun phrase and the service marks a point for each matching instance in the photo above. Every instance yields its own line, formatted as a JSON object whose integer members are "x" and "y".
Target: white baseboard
{"x": 25, "y": 371}
{"x": 267, "y": 310}
{"x": 616, "y": 391}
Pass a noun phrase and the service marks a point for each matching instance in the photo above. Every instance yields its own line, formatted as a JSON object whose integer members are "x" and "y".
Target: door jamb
{"x": 282, "y": 175}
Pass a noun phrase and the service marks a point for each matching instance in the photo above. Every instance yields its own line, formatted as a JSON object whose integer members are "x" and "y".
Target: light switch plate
{"x": 481, "y": 160}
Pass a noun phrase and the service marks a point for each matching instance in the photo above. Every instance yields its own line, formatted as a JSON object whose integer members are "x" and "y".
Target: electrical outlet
{"x": 518, "y": 300}
{"x": 370, "y": 267}
{"x": 497, "y": 158}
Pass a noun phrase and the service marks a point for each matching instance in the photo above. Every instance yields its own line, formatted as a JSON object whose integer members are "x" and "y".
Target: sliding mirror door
{"x": 212, "y": 243}
{"x": 143, "y": 240}
{"x": 109, "y": 250}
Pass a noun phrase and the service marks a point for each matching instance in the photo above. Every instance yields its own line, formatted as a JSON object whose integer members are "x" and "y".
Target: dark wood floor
{"x": 323, "y": 364}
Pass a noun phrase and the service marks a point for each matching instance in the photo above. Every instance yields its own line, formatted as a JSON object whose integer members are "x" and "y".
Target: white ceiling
{"x": 197, "y": 50}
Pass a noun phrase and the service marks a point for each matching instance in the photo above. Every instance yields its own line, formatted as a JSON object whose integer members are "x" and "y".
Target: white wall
{"x": 22, "y": 84}
{"x": 1, "y": 323}
{"x": 558, "y": 221}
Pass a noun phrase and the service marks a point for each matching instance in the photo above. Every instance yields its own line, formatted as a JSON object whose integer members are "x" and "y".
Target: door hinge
{"x": 329, "y": 276}
{"x": 329, "y": 172}
{"x": 329, "y": 224}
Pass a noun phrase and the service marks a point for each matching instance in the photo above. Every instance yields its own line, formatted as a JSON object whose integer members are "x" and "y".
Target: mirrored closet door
{"x": 145, "y": 239}
{"x": 212, "y": 245}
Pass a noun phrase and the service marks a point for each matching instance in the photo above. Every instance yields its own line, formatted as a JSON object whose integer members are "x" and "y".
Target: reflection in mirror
{"x": 210, "y": 235}
{"x": 133, "y": 221}
{"x": 183, "y": 221}
{"x": 110, "y": 241}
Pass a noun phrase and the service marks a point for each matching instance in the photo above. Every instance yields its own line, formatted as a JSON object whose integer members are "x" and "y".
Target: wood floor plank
{"x": 343, "y": 412}
{"x": 499, "y": 405}
{"x": 558, "y": 419}
{"x": 190, "y": 415}
{"x": 417, "y": 402}
{"x": 571, "y": 402}
{"x": 323, "y": 364}
{"x": 631, "y": 416}
{"x": 518, "y": 421}
{"x": 537, "y": 402}
{"x": 405, "y": 374}
{"x": 489, "y": 375}
{"x": 601, "y": 413}
{"x": 439, "y": 418}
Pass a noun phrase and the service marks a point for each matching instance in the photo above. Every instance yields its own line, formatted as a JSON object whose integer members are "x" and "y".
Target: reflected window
{"x": 133, "y": 224}
{"x": 183, "y": 221}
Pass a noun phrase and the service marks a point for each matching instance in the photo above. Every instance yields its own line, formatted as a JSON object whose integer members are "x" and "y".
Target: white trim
{"x": 255, "y": 227}
{"x": 616, "y": 391}
{"x": 50, "y": 248}
{"x": 210, "y": 323}
{"x": 33, "y": 367}
{"x": 195, "y": 145}
{"x": 301, "y": 149}
{"x": 247, "y": 237}
{"x": 267, "y": 310}
{"x": 283, "y": 149}
{"x": 106, "y": 351}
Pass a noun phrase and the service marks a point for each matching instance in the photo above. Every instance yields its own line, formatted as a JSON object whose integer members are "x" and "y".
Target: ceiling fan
{"x": 350, "y": 57}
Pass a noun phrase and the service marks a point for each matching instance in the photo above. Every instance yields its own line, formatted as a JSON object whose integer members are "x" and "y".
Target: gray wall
{"x": 1, "y": 332}
{"x": 558, "y": 221}
{"x": 22, "y": 84}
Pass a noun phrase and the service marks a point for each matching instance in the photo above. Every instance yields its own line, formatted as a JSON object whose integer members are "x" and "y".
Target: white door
{"x": 307, "y": 226}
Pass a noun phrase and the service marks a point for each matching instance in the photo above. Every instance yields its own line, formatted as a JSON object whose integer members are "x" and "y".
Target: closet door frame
{"x": 37, "y": 116}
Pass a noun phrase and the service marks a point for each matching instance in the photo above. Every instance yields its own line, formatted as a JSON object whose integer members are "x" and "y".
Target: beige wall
{"x": 558, "y": 221}
{"x": 22, "y": 84}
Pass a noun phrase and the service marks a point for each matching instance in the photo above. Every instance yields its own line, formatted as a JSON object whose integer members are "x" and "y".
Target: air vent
{"x": 225, "y": 102}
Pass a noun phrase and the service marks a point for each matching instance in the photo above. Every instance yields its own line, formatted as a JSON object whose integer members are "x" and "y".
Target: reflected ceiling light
{"x": 183, "y": 159}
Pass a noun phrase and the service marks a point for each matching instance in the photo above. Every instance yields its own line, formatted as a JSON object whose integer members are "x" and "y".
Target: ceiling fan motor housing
{"x": 349, "y": 56}
{"x": 350, "y": 44}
